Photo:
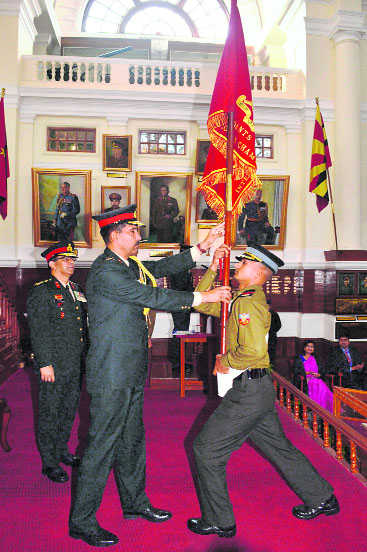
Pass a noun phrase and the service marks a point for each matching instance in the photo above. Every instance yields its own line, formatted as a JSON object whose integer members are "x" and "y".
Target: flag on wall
{"x": 320, "y": 162}
{"x": 4, "y": 162}
{"x": 232, "y": 92}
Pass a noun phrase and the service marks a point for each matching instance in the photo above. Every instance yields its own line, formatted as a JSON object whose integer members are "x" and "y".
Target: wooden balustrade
{"x": 343, "y": 434}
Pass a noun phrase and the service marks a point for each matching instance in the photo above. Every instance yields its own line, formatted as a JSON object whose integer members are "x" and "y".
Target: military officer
{"x": 118, "y": 303}
{"x": 247, "y": 408}
{"x": 57, "y": 320}
{"x": 257, "y": 226}
{"x": 67, "y": 208}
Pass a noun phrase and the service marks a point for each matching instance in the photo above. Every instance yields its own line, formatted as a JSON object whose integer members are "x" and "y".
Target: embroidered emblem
{"x": 244, "y": 318}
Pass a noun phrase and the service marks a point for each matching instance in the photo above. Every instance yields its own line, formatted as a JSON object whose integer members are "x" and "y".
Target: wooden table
{"x": 354, "y": 398}
{"x": 211, "y": 339}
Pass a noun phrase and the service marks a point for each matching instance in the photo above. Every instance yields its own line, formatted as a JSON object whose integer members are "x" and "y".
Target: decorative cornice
{"x": 10, "y": 7}
{"x": 118, "y": 107}
{"x": 347, "y": 25}
{"x": 11, "y": 96}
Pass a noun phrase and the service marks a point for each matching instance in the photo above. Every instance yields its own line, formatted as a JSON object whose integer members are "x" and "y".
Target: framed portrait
{"x": 61, "y": 206}
{"x": 114, "y": 197}
{"x": 117, "y": 153}
{"x": 263, "y": 219}
{"x": 202, "y": 148}
{"x": 204, "y": 213}
{"x": 164, "y": 205}
{"x": 346, "y": 283}
{"x": 362, "y": 283}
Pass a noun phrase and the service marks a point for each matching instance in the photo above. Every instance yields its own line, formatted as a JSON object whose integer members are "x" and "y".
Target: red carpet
{"x": 34, "y": 512}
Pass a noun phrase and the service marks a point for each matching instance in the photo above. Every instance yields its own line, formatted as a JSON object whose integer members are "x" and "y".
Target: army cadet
{"x": 57, "y": 319}
{"x": 247, "y": 408}
{"x": 118, "y": 302}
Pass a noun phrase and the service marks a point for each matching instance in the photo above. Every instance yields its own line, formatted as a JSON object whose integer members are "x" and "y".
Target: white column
{"x": 347, "y": 160}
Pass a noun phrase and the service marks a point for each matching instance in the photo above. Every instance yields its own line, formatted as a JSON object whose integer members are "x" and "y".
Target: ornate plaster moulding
{"x": 346, "y": 25}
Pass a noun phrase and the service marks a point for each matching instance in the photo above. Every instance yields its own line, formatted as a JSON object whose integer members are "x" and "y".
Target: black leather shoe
{"x": 149, "y": 513}
{"x": 98, "y": 537}
{"x": 58, "y": 475}
{"x": 199, "y": 526}
{"x": 328, "y": 507}
{"x": 70, "y": 459}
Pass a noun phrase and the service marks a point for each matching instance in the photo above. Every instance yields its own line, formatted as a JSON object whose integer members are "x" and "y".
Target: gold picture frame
{"x": 61, "y": 212}
{"x": 117, "y": 152}
{"x": 203, "y": 213}
{"x": 106, "y": 191}
{"x": 167, "y": 221}
{"x": 272, "y": 234}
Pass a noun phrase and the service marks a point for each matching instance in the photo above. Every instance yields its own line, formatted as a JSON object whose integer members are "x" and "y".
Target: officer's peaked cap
{"x": 64, "y": 248}
{"x": 261, "y": 255}
{"x": 125, "y": 214}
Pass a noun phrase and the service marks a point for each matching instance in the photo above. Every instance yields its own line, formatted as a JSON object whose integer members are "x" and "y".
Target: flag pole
{"x": 3, "y": 92}
{"x": 227, "y": 226}
{"x": 330, "y": 193}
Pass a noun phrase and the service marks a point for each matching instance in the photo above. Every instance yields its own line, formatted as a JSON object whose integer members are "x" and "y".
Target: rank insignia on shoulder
{"x": 248, "y": 293}
{"x": 244, "y": 318}
{"x": 42, "y": 282}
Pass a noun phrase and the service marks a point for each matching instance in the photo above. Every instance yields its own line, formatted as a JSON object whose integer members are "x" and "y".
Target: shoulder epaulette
{"x": 113, "y": 259}
{"x": 247, "y": 293}
{"x": 42, "y": 282}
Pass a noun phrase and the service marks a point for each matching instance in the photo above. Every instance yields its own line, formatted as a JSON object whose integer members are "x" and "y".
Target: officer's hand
{"x": 213, "y": 234}
{"x": 47, "y": 374}
{"x": 222, "y": 293}
{"x": 219, "y": 253}
{"x": 219, "y": 367}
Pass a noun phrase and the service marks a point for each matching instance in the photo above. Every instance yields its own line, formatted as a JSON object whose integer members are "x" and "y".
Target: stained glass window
{"x": 162, "y": 142}
{"x": 82, "y": 140}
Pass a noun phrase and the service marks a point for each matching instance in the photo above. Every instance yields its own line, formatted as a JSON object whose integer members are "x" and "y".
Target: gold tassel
{"x": 144, "y": 273}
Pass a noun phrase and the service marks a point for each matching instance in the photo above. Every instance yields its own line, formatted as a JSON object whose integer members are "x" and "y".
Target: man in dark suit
{"x": 119, "y": 301}
{"x": 347, "y": 360}
{"x": 57, "y": 319}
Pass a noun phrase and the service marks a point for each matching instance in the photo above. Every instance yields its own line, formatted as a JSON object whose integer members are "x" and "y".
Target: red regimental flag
{"x": 4, "y": 163}
{"x": 320, "y": 162}
{"x": 232, "y": 92}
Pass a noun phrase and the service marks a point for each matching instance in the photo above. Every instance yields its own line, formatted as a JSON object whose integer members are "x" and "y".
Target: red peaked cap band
{"x": 59, "y": 251}
{"x": 116, "y": 218}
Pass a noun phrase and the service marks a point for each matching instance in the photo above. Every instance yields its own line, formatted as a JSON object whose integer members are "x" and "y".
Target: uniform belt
{"x": 255, "y": 373}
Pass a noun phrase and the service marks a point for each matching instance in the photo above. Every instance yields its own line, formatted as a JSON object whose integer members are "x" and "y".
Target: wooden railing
{"x": 337, "y": 437}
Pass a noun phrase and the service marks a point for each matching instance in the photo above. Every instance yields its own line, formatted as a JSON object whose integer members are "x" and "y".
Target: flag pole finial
{"x": 317, "y": 100}
{"x": 2, "y": 92}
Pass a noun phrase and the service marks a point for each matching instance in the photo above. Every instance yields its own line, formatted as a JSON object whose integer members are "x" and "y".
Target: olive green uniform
{"x": 116, "y": 373}
{"x": 58, "y": 328}
{"x": 247, "y": 410}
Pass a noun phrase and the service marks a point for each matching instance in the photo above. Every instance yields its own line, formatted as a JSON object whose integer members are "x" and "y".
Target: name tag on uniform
{"x": 80, "y": 296}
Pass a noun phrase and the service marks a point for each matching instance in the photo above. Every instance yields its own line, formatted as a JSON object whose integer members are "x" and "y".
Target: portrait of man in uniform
{"x": 164, "y": 201}
{"x": 117, "y": 153}
{"x": 204, "y": 213}
{"x": 114, "y": 197}
{"x": 262, "y": 220}
{"x": 202, "y": 149}
{"x": 61, "y": 206}
{"x": 346, "y": 283}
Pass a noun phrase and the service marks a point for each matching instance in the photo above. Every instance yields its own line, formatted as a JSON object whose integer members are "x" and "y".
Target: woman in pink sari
{"x": 306, "y": 376}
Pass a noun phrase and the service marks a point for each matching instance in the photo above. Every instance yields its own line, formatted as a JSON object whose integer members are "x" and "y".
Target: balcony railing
{"x": 119, "y": 74}
{"x": 337, "y": 437}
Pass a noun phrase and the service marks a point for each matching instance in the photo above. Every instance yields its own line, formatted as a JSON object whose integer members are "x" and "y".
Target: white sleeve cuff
{"x": 195, "y": 253}
{"x": 197, "y": 299}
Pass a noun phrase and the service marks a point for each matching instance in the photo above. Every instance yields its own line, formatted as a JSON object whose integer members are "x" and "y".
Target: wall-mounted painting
{"x": 202, "y": 148}
{"x": 204, "y": 213}
{"x": 263, "y": 219}
{"x": 164, "y": 205}
{"x": 117, "y": 153}
{"x": 114, "y": 197}
{"x": 346, "y": 283}
{"x": 362, "y": 283}
{"x": 61, "y": 206}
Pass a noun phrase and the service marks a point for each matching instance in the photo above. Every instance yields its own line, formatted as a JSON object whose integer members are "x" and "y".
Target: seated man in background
{"x": 347, "y": 360}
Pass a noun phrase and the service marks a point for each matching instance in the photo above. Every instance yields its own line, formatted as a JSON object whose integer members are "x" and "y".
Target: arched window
{"x": 181, "y": 18}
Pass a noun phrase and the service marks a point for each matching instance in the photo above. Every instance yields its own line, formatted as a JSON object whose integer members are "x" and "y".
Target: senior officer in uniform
{"x": 118, "y": 301}
{"x": 247, "y": 409}
{"x": 57, "y": 319}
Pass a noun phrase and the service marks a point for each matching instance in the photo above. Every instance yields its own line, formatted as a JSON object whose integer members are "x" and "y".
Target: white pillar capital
{"x": 347, "y": 26}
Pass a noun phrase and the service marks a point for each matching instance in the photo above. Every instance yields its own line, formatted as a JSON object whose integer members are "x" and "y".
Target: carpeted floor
{"x": 34, "y": 512}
